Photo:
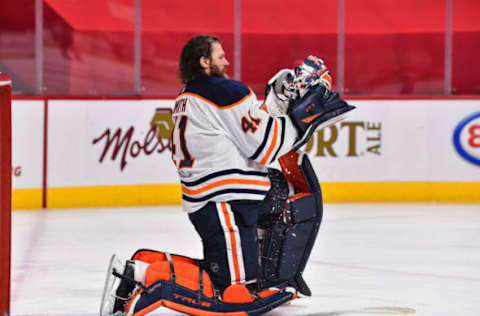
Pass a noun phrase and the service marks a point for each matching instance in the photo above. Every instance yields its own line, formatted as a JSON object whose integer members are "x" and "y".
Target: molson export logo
{"x": 466, "y": 138}
{"x": 363, "y": 138}
{"x": 123, "y": 144}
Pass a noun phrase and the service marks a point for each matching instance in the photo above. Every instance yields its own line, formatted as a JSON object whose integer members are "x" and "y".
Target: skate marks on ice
{"x": 380, "y": 310}
{"x": 391, "y": 309}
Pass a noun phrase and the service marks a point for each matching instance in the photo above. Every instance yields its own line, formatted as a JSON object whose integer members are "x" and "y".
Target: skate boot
{"x": 120, "y": 286}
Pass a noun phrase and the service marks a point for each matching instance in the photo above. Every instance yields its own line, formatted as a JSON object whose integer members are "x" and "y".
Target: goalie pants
{"x": 229, "y": 236}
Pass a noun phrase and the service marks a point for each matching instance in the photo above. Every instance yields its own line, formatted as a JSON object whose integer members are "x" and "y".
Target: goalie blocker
{"x": 316, "y": 110}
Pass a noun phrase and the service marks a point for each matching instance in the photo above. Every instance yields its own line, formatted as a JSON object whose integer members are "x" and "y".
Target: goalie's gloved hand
{"x": 317, "y": 109}
{"x": 310, "y": 73}
{"x": 279, "y": 91}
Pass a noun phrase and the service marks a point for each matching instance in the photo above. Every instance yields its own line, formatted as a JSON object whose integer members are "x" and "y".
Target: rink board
{"x": 112, "y": 152}
{"x": 28, "y": 119}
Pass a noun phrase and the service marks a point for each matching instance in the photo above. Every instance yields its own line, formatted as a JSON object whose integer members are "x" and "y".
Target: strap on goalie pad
{"x": 293, "y": 228}
{"x": 180, "y": 283}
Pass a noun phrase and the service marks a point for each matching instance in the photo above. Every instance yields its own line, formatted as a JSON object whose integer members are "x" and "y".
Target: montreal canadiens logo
{"x": 466, "y": 138}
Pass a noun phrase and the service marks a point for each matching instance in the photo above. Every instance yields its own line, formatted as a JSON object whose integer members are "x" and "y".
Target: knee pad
{"x": 293, "y": 228}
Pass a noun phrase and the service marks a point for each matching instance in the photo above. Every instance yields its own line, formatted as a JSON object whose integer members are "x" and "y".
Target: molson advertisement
{"x": 110, "y": 152}
{"x": 123, "y": 146}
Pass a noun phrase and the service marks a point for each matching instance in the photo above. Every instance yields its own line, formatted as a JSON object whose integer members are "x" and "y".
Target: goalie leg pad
{"x": 181, "y": 284}
{"x": 185, "y": 301}
{"x": 304, "y": 221}
{"x": 287, "y": 245}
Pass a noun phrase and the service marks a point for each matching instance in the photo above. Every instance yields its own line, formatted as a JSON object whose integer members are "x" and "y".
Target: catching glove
{"x": 279, "y": 91}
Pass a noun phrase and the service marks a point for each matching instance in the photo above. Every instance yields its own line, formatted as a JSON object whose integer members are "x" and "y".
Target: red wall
{"x": 391, "y": 47}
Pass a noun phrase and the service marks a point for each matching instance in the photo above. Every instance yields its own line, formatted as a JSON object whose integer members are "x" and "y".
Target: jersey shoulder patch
{"x": 220, "y": 92}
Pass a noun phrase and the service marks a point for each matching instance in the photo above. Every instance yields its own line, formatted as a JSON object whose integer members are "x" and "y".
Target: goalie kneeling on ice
{"x": 153, "y": 278}
{"x": 179, "y": 283}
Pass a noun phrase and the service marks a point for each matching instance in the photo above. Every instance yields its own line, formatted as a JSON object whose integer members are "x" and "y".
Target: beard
{"x": 215, "y": 71}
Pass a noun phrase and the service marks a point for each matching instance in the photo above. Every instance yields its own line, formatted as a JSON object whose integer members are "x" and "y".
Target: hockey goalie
{"x": 257, "y": 223}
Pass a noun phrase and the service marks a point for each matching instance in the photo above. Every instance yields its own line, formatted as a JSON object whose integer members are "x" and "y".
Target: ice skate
{"x": 119, "y": 287}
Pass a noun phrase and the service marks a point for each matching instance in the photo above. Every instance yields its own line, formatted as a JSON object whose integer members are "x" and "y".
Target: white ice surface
{"x": 369, "y": 259}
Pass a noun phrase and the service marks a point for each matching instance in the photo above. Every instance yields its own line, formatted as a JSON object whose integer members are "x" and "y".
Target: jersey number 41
{"x": 178, "y": 138}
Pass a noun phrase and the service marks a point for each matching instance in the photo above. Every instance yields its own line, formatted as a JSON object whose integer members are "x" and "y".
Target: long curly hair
{"x": 198, "y": 46}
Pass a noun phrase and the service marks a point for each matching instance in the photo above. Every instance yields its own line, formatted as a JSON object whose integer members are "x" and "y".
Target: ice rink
{"x": 369, "y": 259}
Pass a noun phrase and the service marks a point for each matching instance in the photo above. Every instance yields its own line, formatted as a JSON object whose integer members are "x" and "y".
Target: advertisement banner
{"x": 27, "y": 144}
{"x": 111, "y": 152}
{"x": 27, "y": 153}
{"x": 109, "y": 142}
{"x": 392, "y": 140}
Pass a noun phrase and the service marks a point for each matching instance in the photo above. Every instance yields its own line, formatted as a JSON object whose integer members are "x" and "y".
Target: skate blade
{"x": 108, "y": 300}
